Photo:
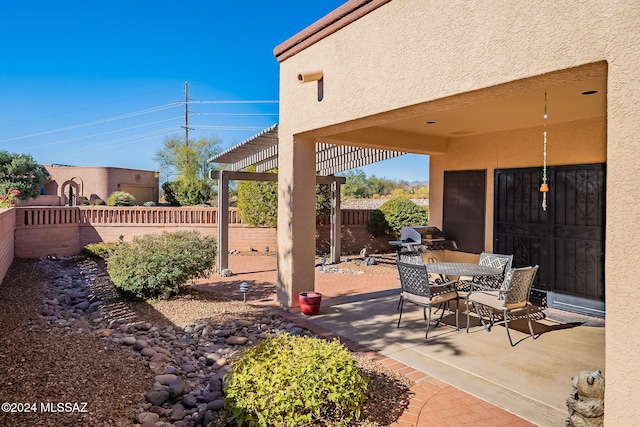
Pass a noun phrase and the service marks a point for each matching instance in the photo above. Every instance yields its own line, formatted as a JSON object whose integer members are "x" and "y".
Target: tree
{"x": 258, "y": 202}
{"x": 21, "y": 172}
{"x": 358, "y": 185}
{"x": 185, "y": 168}
{"x": 394, "y": 214}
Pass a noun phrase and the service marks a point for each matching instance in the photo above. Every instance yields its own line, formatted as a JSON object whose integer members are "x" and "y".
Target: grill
{"x": 426, "y": 238}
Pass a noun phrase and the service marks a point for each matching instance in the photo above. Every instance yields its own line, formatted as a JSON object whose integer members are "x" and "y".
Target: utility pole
{"x": 186, "y": 113}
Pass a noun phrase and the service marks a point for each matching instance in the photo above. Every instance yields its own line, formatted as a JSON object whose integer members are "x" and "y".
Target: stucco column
{"x": 296, "y": 218}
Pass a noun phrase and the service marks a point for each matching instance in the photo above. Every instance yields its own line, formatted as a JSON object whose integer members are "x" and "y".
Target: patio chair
{"x": 500, "y": 261}
{"x": 410, "y": 257}
{"x": 510, "y": 302}
{"x": 416, "y": 289}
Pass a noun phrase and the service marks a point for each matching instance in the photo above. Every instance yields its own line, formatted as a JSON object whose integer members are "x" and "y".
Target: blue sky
{"x": 99, "y": 83}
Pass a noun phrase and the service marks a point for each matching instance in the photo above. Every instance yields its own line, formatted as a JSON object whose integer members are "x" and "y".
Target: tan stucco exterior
{"x": 98, "y": 182}
{"x": 412, "y": 58}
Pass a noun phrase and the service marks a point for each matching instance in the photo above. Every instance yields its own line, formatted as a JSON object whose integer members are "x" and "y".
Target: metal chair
{"x": 503, "y": 262}
{"x": 510, "y": 302}
{"x": 417, "y": 290}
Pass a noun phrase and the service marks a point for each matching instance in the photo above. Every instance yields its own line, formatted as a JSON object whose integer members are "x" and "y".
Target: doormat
{"x": 569, "y": 317}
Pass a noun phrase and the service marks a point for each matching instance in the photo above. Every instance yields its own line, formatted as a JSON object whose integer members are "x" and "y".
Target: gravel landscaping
{"x": 74, "y": 352}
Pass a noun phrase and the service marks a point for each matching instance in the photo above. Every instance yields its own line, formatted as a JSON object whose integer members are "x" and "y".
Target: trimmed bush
{"x": 149, "y": 204}
{"x": 377, "y": 225}
{"x": 121, "y": 198}
{"x": 397, "y": 213}
{"x": 157, "y": 265}
{"x": 292, "y": 381}
{"x": 99, "y": 250}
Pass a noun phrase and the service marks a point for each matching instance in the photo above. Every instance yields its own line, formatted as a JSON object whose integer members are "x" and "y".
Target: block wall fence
{"x": 7, "y": 227}
{"x": 36, "y": 232}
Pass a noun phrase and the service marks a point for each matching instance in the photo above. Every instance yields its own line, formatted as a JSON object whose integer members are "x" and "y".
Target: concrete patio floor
{"x": 531, "y": 380}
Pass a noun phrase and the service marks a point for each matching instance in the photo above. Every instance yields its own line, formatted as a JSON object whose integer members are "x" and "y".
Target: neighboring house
{"x": 73, "y": 185}
{"x": 465, "y": 84}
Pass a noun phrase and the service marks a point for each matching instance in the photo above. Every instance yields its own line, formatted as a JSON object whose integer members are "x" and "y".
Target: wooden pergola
{"x": 261, "y": 151}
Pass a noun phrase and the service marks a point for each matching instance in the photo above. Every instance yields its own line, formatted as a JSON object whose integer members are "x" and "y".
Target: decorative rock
{"x": 215, "y": 405}
{"x": 165, "y": 379}
{"x": 176, "y": 388}
{"x": 296, "y": 331}
{"x": 129, "y": 340}
{"x": 82, "y": 305}
{"x": 208, "y": 418}
{"x": 147, "y": 351}
{"x": 160, "y": 357}
{"x": 188, "y": 368}
{"x": 177, "y": 412}
{"x": 211, "y": 396}
{"x": 82, "y": 324}
{"x": 140, "y": 344}
{"x": 148, "y": 417}
{"x": 105, "y": 332}
{"x": 220, "y": 363}
{"x": 189, "y": 401}
{"x": 237, "y": 340}
{"x": 157, "y": 397}
{"x": 243, "y": 323}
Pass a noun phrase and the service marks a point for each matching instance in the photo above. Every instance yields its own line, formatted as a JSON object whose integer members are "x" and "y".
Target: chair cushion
{"x": 421, "y": 299}
{"x": 492, "y": 299}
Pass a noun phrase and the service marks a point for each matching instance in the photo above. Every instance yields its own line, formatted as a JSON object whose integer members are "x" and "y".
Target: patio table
{"x": 461, "y": 269}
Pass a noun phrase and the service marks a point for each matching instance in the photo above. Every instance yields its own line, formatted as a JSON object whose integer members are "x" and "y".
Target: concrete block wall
{"x": 65, "y": 231}
{"x": 7, "y": 227}
{"x": 43, "y": 240}
{"x": 353, "y": 239}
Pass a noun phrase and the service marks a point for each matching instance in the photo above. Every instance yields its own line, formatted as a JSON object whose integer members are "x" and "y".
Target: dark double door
{"x": 566, "y": 240}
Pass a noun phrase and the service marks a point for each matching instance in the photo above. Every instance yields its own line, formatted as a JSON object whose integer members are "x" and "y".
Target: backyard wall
{"x": 63, "y": 231}
{"x": 7, "y": 225}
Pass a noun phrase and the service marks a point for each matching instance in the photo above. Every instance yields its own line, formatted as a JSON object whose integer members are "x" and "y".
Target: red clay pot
{"x": 310, "y": 302}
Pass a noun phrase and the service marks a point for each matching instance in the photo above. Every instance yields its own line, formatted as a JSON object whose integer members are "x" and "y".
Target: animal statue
{"x": 586, "y": 403}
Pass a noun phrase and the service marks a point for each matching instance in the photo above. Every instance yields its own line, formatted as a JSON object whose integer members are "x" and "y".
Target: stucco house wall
{"x": 412, "y": 56}
{"x": 97, "y": 182}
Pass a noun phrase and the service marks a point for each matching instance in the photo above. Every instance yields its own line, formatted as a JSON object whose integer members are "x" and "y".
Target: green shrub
{"x": 157, "y": 265}
{"x": 99, "y": 250}
{"x": 149, "y": 204}
{"x": 398, "y": 212}
{"x": 258, "y": 202}
{"x": 169, "y": 193}
{"x": 121, "y": 198}
{"x": 293, "y": 381}
{"x": 377, "y": 224}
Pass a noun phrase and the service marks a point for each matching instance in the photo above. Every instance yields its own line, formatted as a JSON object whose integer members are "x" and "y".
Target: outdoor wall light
{"x": 311, "y": 76}
{"x": 314, "y": 76}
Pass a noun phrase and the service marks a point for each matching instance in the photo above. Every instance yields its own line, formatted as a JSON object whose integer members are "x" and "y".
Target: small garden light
{"x": 244, "y": 288}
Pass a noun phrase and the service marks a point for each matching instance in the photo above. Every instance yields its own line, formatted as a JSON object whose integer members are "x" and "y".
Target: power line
{"x": 234, "y": 102}
{"x": 234, "y": 114}
{"x": 95, "y": 122}
{"x": 103, "y": 133}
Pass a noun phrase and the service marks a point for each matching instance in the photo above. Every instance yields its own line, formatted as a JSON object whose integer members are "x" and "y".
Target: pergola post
{"x": 336, "y": 221}
{"x": 223, "y": 221}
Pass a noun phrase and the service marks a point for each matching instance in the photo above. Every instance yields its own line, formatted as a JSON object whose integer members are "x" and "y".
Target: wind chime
{"x": 544, "y": 187}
